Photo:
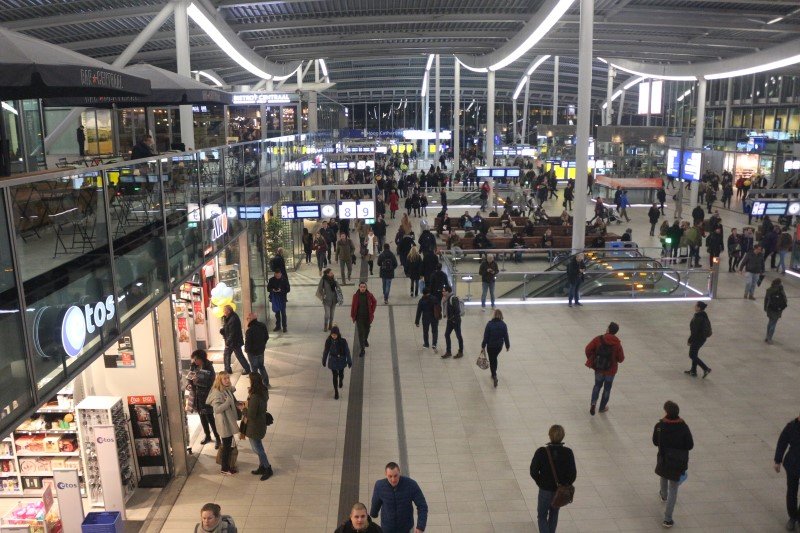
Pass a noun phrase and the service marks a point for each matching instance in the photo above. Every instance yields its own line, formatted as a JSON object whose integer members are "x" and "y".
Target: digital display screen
{"x": 776, "y": 208}
{"x": 512, "y": 173}
{"x": 250, "y": 212}
{"x": 499, "y": 173}
{"x": 347, "y": 209}
{"x": 673, "y": 163}
{"x": 692, "y": 165}
{"x": 292, "y": 211}
{"x": 483, "y": 173}
{"x": 758, "y": 208}
{"x": 361, "y": 165}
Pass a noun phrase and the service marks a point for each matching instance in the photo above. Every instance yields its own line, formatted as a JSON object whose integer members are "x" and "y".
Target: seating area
{"x": 559, "y": 241}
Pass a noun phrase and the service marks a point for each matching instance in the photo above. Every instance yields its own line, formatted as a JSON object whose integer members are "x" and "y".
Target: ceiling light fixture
{"x": 473, "y": 69}
{"x": 773, "y": 21}
{"x": 211, "y": 30}
{"x": 537, "y": 34}
{"x": 324, "y": 67}
{"x": 536, "y": 64}
{"x": 764, "y": 67}
{"x": 430, "y": 62}
{"x": 216, "y": 81}
{"x": 424, "y": 89}
{"x": 10, "y": 109}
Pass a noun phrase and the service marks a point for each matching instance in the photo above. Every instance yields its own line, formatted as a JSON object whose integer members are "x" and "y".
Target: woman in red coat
{"x": 394, "y": 201}
{"x": 362, "y": 311}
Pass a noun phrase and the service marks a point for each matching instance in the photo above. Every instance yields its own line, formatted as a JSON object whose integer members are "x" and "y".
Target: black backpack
{"x": 386, "y": 266}
{"x": 777, "y": 301}
{"x": 603, "y": 356}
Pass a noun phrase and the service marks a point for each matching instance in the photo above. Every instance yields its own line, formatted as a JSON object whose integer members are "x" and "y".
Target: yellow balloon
{"x": 218, "y": 300}
{"x": 217, "y": 312}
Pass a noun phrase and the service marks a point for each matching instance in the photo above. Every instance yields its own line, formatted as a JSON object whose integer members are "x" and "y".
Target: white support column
{"x": 514, "y": 120}
{"x": 67, "y": 123}
{"x": 184, "y": 69}
{"x": 438, "y": 110}
{"x": 525, "y": 110}
{"x": 555, "y": 91}
{"x": 312, "y": 112}
{"x": 298, "y": 118}
{"x": 621, "y": 107}
{"x": 698, "y": 130}
{"x": 583, "y": 128}
{"x": 270, "y": 85}
{"x": 609, "y": 93}
{"x": 489, "y": 144}
{"x": 456, "y": 115}
{"x": 728, "y": 104}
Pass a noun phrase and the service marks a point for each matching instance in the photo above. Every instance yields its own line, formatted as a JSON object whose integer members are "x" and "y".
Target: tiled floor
{"x": 469, "y": 445}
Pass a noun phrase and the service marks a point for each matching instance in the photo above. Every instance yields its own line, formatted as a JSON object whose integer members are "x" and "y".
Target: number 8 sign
{"x": 347, "y": 209}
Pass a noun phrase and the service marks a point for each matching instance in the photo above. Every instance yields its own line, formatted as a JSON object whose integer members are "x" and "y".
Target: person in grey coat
{"x": 223, "y": 403}
{"x": 329, "y": 292}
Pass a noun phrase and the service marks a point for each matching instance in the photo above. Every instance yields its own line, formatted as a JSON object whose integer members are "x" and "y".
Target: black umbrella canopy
{"x": 168, "y": 89}
{"x": 31, "y": 68}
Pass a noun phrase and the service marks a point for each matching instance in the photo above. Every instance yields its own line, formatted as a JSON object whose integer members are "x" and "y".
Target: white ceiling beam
{"x": 81, "y": 18}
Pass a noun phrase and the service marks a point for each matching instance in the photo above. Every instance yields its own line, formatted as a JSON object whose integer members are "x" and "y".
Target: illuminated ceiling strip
{"x": 625, "y": 87}
{"x": 536, "y": 64}
{"x": 211, "y": 30}
{"x": 324, "y": 67}
{"x": 216, "y": 81}
{"x": 426, "y": 77}
{"x": 764, "y": 67}
{"x": 430, "y": 62}
{"x": 538, "y": 26}
{"x": 654, "y": 76}
{"x": 10, "y": 109}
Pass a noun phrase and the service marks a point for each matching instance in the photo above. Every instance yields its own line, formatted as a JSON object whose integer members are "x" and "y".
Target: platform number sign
{"x": 347, "y": 210}
{"x": 366, "y": 209}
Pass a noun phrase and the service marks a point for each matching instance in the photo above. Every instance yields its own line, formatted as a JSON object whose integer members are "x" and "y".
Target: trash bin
{"x": 102, "y": 522}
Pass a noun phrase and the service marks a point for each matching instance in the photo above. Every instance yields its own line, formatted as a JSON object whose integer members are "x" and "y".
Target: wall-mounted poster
{"x": 124, "y": 358}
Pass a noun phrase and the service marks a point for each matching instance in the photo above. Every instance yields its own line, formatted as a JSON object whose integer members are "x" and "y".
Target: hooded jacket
{"x": 617, "y": 354}
{"x": 674, "y": 440}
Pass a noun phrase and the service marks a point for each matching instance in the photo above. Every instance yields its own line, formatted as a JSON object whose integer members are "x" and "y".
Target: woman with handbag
{"x": 223, "y": 403}
{"x": 674, "y": 440}
{"x": 330, "y": 294}
{"x": 494, "y": 337}
{"x": 203, "y": 378}
{"x": 336, "y": 356}
{"x": 254, "y": 423}
{"x": 553, "y": 469}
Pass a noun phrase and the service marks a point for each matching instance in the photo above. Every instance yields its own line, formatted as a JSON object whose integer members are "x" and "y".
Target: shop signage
{"x": 77, "y": 323}
{"x": 100, "y": 78}
{"x": 70, "y": 503}
{"x": 220, "y": 226}
{"x": 261, "y": 98}
{"x": 108, "y": 462}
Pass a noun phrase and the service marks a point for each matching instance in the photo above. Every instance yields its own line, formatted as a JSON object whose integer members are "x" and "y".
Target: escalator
{"x": 607, "y": 273}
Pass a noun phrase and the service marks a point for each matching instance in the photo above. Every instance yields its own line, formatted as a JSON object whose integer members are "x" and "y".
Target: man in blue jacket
{"x": 393, "y": 497}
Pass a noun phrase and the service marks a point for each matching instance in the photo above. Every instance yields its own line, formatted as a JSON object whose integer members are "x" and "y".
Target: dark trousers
{"x": 280, "y": 319}
{"x": 207, "y": 421}
{"x": 225, "y": 455}
{"x": 493, "y": 353}
{"x": 453, "y": 326}
{"x": 226, "y": 358}
{"x": 363, "y": 326}
{"x": 433, "y": 326}
{"x": 792, "y": 480}
{"x": 257, "y": 364}
{"x": 694, "y": 349}
{"x": 338, "y": 377}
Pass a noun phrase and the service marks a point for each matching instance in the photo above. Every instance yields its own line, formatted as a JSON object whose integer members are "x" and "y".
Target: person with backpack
{"x": 775, "y": 302}
{"x": 387, "y": 263}
{"x": 552, "y": 465}
{"x": 213, "y": 521}
{"x": 603, "y": 355}
{"x": 452, "y": 311}
{"x": 495, "y": 335}
{"x": 336, "y": 356}
{"x": 787, "y": 453}
{"x": 699, "y": 332}
{"x": 674, "y": 440}
{"x": 430, "y": 311}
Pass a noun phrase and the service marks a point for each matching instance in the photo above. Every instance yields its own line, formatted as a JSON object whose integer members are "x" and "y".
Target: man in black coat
{"x": 255, "y": 343}
{"x": 80, "y": 133}
{"x": 379, "y": 229}
{"x": 278, "y": 289}
{"x": 232, "y": 333}
{"x": 575, "y": 270}
{"x": 674, "y": 440}
{"x": 699, "y": 332}
{"x": 790, "y": 438}
{"x": 359, "y": 521}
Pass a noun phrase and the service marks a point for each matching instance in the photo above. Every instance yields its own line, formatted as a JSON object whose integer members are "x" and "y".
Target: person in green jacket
{"x": 255, "y": 422}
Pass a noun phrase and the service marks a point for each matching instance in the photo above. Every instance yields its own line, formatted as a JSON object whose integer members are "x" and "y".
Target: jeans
{"x": 257, "y": 364}
{"x": 414, "y": 287}
{"x": 751, "y": 282}
{"x": 493, "y": 353}
{"x": 771, "y": 323}
{"x": 694, "y": 355}
{"x": 322, "y": 261}
{"x": 387, "y": 286}
{"x": 330, "y": 310}
{"x": 487, "y": 286}
{"x": 546, "y": 515}
{"x": 453, "y": 326}
{"x": 604, "y": 382}
{"x": 226, "y": 358}
{"x": 792, "y": 480}
{"x": 433, "y": 326}
{"x": 258, "y": 447}
{"x": 225, "y": 456}
{"x": 346, "y": 265}
{"x": 573, "y": 290}
{"x": 782, "y": 260}
{"x": 669, "y": 491}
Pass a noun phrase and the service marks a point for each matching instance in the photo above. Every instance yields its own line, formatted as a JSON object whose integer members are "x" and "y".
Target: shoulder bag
{"x": 564, "y": 493}
{"x": 482, "y": 362}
